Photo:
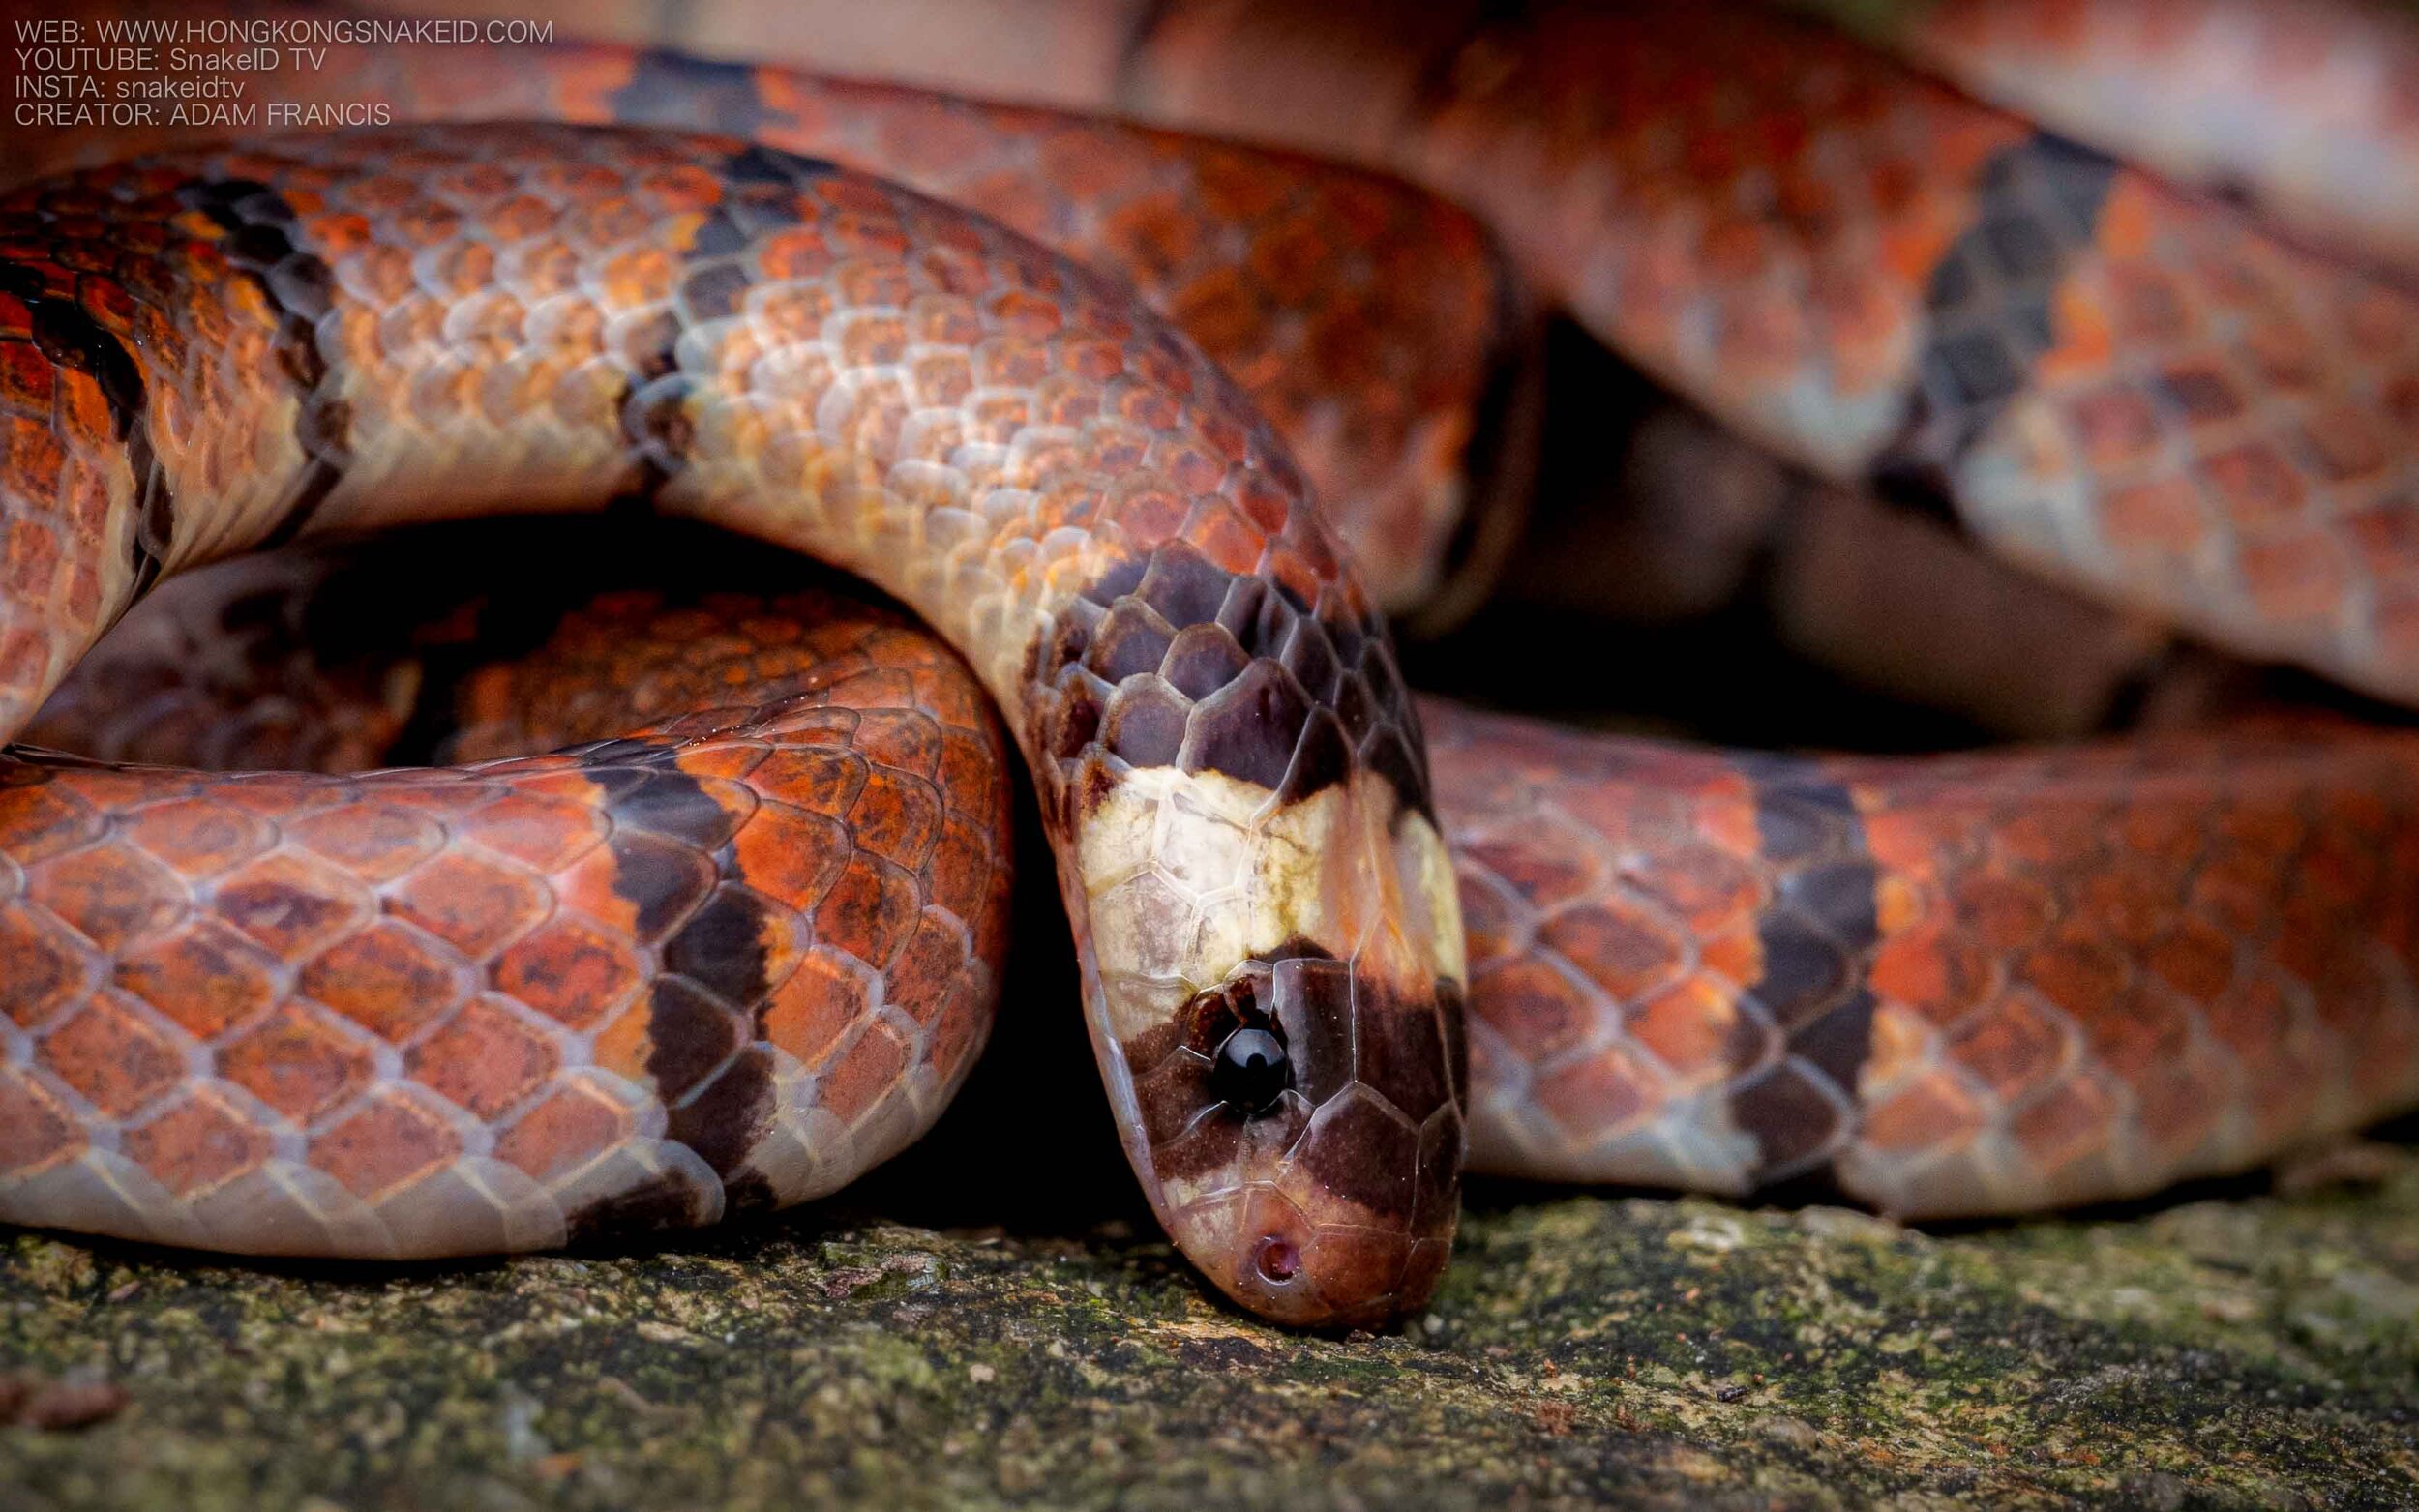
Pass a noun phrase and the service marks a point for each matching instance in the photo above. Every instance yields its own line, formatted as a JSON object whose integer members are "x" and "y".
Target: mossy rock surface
{"x": 2246, "y": 1349}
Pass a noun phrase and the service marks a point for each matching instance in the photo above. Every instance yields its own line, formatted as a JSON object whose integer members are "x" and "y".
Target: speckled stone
{"x": 2245, "y": 1349}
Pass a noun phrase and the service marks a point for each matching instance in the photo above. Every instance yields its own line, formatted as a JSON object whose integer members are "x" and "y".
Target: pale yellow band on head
{"x": 1188, "y": 874}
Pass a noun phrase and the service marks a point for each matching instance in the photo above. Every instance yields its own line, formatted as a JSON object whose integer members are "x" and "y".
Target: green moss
{"x": 2253, "y": 1352}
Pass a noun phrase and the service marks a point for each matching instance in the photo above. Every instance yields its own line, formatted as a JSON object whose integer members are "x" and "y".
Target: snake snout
{"x": 1305, "y": 1134}
{"x": 1362, "y": 1269}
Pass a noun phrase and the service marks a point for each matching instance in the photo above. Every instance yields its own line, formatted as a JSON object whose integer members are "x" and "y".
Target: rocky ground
{"x": 2255, "y": 1345}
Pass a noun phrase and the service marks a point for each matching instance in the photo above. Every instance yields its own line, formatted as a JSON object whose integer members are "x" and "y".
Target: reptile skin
{"x": 2131, "y": 385}
{"x": 2309, "y": 110}
{"x": 1950, "y": 987}
{"x": 213, "y": 350}
{"x": 438, "y": 1014}
{"x": 1373, "y": 325}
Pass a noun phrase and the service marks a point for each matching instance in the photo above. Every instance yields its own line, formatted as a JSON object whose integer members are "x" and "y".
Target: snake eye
{"x": 1250, "y": 1070}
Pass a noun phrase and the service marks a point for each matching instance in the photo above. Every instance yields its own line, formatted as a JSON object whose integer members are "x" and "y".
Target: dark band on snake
{"x": 66, "y": 334}
{"x": 1689, "y": 953}
{"x": 1988, "y": 306}
{"x": 655, "y": 407}
{"x": 663, "y": 1202}
{"x": 672, "y": 89}
{"x": 298, "y": 285}
{"x": 673, "y": 858}
{"x": 1178, "y": 661}
{"x": 1816, "y": 937}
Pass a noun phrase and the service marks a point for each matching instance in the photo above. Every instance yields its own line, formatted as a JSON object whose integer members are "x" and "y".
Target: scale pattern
{"x": 2135, "y": 387}
{"x": 2109, "y": 379}
{"x": 2311, "y": 108}
{"x": 733, "y": 957}
{"x": 1952, "y": 985}
{"x": 330, "y": 635}
{"x": 2140, "y": 389}
{"x": 240, "y": 346}
{"x": 1946, "y": 986}
{"x": 1369, "y": 322}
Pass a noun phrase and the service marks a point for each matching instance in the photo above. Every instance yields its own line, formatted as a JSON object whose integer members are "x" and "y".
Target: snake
{"x": 738, "y": 937}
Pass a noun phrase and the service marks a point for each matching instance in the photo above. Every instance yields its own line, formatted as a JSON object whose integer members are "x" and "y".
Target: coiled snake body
{"x": 740, "y": 940}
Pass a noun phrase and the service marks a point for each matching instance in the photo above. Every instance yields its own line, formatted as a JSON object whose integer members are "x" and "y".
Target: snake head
{"x": 1295, "y": 1118}
{"x": 1270, "y": 935}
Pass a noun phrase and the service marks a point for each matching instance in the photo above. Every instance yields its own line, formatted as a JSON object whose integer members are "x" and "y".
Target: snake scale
{"x": 737, "y": 937}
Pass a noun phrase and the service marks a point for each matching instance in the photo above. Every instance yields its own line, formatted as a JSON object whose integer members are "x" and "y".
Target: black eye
{"x": 1250, "y": 1070}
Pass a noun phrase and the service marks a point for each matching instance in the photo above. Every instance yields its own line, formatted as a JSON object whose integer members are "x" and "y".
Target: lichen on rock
{"x": 2252, "y": 1349}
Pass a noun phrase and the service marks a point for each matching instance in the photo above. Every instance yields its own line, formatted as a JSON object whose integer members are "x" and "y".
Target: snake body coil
{"x": 239, "y": 345}
{"x": 739, "y": 938}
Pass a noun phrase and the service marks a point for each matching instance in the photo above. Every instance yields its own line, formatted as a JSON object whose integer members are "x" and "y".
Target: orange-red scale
{"x": 390, "y": 974}
{"x": 2090, "y": 973}
{"x": 1365, "y": 320}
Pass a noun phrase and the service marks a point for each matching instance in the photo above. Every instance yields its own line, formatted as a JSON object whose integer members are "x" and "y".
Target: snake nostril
{"x": 1277, "y": 1261}
{"x": 1250, "y": 1070}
